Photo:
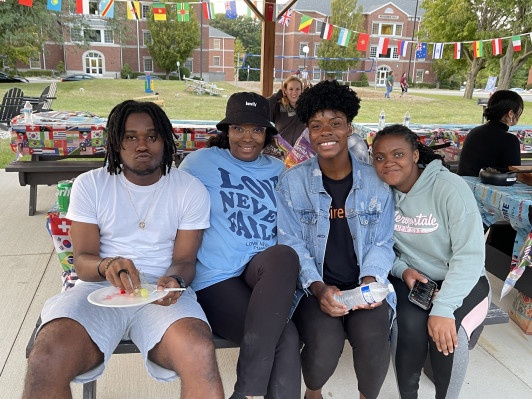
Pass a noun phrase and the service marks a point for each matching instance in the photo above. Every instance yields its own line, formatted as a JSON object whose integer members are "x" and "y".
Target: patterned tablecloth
{"x": 66, "y": 133}
{"x": 440, "y": 134}
{"x": 510, "y": 203}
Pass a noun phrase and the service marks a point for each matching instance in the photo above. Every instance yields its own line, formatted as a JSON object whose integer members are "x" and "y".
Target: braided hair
{"x": 426, "y": 154}
{"x": 116, "y": 128}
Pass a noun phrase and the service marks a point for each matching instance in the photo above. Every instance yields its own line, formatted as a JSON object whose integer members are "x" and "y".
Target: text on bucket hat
{"x": 247, "y": 108}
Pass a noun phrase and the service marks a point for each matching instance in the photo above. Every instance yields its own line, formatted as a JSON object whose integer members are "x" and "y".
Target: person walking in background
{"x": 389, "y": 84}
{"x": 438, "y": 234}
{"x": 404, "y": 84}
{"x": 283, "y": 109}
{"x": 244, "y": 281}
{"x": 348, "y": 246}
{"x": 136, "y": 216}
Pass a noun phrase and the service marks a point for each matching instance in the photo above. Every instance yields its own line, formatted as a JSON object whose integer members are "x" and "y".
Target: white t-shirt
{"x": 178, "y": 200}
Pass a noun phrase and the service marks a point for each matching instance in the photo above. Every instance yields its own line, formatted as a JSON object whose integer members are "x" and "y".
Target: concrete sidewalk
{"x": 500, "y": 365}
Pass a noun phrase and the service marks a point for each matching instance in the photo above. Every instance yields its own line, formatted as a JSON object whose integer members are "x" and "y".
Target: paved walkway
{"x": 500, "y": 365}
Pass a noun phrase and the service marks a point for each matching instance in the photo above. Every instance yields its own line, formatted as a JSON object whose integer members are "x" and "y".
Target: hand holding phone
{"x": 422, "y": 294}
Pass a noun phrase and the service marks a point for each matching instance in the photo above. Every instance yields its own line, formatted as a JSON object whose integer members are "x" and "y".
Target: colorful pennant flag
{"x": 208, "y": 10}
{"x": 304, "y": 26}
{"x": 497, "y": 46}
{"x": 270, "y": 12}
{"x": 183, "y": 14}
{"x": 363, "y": 40}
{"x": 478, "y": 50}
{"x": 54, "y": 5}
{"x": 133, "y": 10}
{"x": 230, "y": 10}
{"x": 28, "y": 3}
{"x": 343, "y": 38}
{"x": 285, "y": 18}
{"x": 107, "y": 8}
{"x": 516, "y": 42}
{"x": 82, "y": 6}
{"x": 437, "y": 52}
{"x": 457, "y": 50}
{"x": 159, "y": 12}
{"x": 421, "y": 50}
{"x": 382, "y": 47}
{"x": 252, "y": 14}
{"x": 326, "y": 31}
{"x": 402, "y": 48}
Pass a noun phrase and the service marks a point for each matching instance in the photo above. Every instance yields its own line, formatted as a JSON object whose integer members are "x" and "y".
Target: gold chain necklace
{"x": 142, "y": 223}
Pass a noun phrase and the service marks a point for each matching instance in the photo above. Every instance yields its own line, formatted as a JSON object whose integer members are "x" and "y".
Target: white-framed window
{"x": 395, "y": 53}
{"x": 145, "y": 11}
{"x": 216, "y": 44}
{"x": 391, "y": 53}
{"x": 419, "y": 75}
{"x": 216, "y": 61}
{"x": 386, "y": 29}
{"x": 373, "y": 51}
{"x": 94, "y": 62}
{"x": 319, "y": 24}
{"x": 316, "y": 73}
{"x": 146, "y": 38}
{"x": 189, "y": 63}
{"x": 316, "y": 47}
{"x": 301, "y": 46}
{"x": 94, "y": 8}
{"x": 35, "y": 62}
{"x": 76, "y": 34}
{"x": 93, "y": 35}
{"x": 108, "y": 36}
{"x": 148, "y": 64}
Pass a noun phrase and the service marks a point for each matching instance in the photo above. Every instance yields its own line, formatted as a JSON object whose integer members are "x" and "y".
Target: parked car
{"x": 152, "y": 77}
{"x": 12, "y": 79}
{"x": 76, "y": 77}
{"x": 517, "y": 89}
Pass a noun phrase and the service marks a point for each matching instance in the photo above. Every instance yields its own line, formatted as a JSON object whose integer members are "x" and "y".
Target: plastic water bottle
{"x": 364, "y": 295}
{"x": 27, "y": 112}
{"x": 406, "y": 120}
{"x": 382, "y": 120}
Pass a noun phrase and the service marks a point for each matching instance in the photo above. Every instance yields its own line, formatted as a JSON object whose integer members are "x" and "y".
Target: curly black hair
{"x": 221, "y": 140}
{"x": 426, "y": 155}
{"x": 116, "y": 129}
{"x": 327, "y": 95}
{"x": 501, "y": 102}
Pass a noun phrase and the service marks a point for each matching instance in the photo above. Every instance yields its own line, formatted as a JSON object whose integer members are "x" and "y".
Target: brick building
{"x": 106, "y": 55}
{"x": 394, "y": 20}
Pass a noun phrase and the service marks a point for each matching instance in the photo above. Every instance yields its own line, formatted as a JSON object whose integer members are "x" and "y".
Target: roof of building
{"x": 368, "y": 6}
{"x": 213, "y": 32}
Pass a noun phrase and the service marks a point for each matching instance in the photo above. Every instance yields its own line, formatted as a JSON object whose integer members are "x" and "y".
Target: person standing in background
{"x": 389, "y": 84}
{"x": 404, "y": 84}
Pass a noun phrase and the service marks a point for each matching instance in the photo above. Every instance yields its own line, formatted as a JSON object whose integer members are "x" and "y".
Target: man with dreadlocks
{"x": 137, "y": 219}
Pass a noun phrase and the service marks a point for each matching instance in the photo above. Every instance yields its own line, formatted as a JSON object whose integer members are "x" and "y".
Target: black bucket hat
{"x": 247, "y": 108}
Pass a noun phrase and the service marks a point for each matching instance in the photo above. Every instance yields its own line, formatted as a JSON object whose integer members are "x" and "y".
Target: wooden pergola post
{"x": 268, "y": 44}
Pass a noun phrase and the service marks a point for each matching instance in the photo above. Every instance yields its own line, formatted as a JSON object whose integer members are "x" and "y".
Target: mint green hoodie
{"x": 438, "y": 232}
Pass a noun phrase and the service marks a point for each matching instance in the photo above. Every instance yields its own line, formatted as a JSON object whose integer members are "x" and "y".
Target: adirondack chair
{"x": 42, "y": 100}
{"x": 47, "y": 106}
{"x": 11, "y": 106}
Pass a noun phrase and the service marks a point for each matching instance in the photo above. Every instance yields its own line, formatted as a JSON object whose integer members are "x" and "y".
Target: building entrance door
{"x": 94, "y": 64}
{"x": 382, "y": 74}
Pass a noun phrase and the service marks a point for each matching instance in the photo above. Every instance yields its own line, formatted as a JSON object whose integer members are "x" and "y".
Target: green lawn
{"x": 100, "y": 95}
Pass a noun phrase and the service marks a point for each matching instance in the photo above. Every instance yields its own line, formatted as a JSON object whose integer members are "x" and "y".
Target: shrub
{"x": 364, "y": 80}
{"x": 60, "y": 67}
{"x": 126, "y": 72}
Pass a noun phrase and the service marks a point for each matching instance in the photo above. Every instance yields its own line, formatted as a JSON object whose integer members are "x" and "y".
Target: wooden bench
{"x": 153, "y": 98}
{"x": 48, "y": 172}
{"x": 124, "y": 347}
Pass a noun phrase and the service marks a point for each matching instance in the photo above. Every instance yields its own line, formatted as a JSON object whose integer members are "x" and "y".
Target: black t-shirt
{"x": 489, "y": 145}
{"x": 340, "y": 265}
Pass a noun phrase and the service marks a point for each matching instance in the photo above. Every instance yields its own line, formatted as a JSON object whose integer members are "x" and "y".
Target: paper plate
{"x": 112, "y": 298}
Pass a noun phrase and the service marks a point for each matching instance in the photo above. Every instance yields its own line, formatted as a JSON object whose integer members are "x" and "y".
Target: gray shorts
{"x": 144, "y": 325}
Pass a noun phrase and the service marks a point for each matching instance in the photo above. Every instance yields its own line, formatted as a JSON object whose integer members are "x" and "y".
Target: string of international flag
{"x": 106, "y": 9}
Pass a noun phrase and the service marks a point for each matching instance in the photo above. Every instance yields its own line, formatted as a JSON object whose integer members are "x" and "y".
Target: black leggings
{"x": 324, "y": 336}
{"x": 252, "y": 310}
{"x": 413, "y": 342}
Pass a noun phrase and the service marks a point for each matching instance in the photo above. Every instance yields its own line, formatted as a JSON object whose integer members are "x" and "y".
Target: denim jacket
{"x": 303, "y": 222}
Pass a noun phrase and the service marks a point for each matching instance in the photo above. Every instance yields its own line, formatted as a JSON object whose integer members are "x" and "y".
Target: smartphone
{"x": 422, "y": 294}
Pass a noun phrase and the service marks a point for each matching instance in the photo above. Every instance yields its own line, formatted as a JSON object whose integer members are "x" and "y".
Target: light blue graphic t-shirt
{"x": 243, "y": 211}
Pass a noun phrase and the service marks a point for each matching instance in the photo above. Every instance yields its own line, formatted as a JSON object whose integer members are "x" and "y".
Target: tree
{"x": 172, "y": 40}
{"x": 347, "y": 14}
{"x": 248, "y": 31}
